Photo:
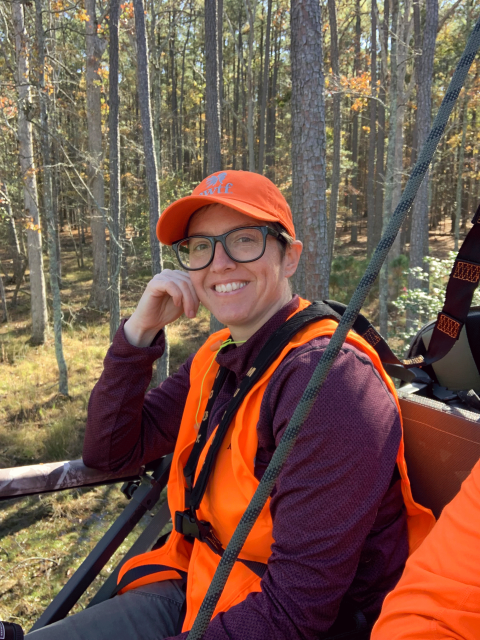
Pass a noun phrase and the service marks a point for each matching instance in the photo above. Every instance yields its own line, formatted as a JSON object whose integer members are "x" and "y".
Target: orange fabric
{"x": 438, "y": 596}
{"x": 232, "y": 483}
{"x": 250, "y": 193}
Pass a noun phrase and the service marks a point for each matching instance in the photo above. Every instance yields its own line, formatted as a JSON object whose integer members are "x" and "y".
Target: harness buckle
{"x": 187, "y": 523}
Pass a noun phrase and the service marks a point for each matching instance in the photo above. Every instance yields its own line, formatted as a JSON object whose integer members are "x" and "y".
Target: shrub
{"x": 423, "y": 305}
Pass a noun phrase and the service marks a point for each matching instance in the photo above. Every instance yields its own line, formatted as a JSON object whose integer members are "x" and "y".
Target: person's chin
{"x": 230, "y": 319}
{"x": 230, "y": 314}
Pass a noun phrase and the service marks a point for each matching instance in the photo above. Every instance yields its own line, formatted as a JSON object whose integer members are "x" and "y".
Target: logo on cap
{"x": 215, "y": 182}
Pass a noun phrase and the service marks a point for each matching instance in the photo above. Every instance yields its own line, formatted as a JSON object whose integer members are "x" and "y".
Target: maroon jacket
{"x": 339, "y": 523}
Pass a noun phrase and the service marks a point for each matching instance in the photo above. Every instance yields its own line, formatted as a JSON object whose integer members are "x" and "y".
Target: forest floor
{"x": 43, "y": 539}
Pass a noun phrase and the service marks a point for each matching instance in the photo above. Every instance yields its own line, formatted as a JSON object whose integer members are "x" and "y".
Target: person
{"x": 332, "y": 541}
{"x": 438, "y": 596}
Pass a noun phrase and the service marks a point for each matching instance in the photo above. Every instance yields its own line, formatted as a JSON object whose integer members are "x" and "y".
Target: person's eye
{"x": 245, "y": 238}
{"x": 201, "y": 246}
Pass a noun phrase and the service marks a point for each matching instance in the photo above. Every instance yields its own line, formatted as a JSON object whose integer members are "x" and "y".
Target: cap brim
{"x": 172, "y": 224}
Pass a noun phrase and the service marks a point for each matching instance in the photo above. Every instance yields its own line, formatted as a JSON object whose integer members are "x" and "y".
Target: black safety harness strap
{"x": 461, "y": 286}
{"x": 187, "y": 522}
{"x": 141, "y": 572}
{"x": 272, "y": 348}
{"x": 392, "y": 365}
{"x": 192, "y": 463}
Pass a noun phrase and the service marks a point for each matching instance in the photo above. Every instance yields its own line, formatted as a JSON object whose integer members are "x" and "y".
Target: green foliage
{"x": 398, "y": 275}
{"x": 424, "y": 304}
{"x": 345, "y": 273}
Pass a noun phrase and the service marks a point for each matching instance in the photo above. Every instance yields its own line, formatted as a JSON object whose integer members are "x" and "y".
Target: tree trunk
{"x": 387, "y": 206}
{"x": 272, "y": 112}
{"x": 250, "y": 6}
{"x": 380, "y": 168}
{"x": 213, "y": 109}
{"x": 18, "y": 257}
{"x": 258, "y": 89}
{"x": 176, "y": 144}
{"x": 143, "y": 87}
{"x": 403, "y": 53}
{"x": 182, "y": 97}
{"x": 125, "y": 249}
{"x": 460, "y": 168}
{"x": 95, "y": 47}
{"x": 220, "y": 56}
{"x": 244, "y": 142}
{"x": 211, "y": 89}
{"x": 156, "y": 88}
{"x": 308, "y": 147}
{"x": 54, "y": 146}
{"x": 48, "y": 203}
{"x": 114, "y": 167}
{"x": 55, "y": 193}
{"x": 423, "y": 80}
{"x": 461, "y": 153}
{"x": 372, "y": 136}
{"x": 236, "y": 95}
{"x": 3, "y": 299}
{"x": 38, "y": 295}
{"x": 356, "y": 69}
{"x": 337, "y": 129}
{"x": 263, "y": 107}
{"x": 204, "y": 147}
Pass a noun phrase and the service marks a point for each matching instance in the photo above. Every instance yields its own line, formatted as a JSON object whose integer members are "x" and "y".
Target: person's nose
{"x": 221, "y": 260}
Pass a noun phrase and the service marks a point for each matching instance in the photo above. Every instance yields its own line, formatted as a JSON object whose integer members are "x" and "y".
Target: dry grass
{"x": 43, "y": 539}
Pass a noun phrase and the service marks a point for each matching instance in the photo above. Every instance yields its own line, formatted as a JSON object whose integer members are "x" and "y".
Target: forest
{"x": 110, "y": 111}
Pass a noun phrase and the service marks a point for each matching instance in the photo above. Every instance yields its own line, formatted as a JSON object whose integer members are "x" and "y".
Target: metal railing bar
{"x": 144, "y": 498}
{"x": 144, "y": 543}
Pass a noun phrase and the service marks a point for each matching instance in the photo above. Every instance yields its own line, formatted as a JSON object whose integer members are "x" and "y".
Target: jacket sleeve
{"x": 325, "y": 501}
{"x": 438, "y": 596}
{"x": 125, "y": 427}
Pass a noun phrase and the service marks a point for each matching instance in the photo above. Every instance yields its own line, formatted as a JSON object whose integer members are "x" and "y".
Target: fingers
{"x": 194, "y": 298}
{"x": 178, "y": 286}
{"x": 190, "y": 298}
{"x": 174, "y": 291}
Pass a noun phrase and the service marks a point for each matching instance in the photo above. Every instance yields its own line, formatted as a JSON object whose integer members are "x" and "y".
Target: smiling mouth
{"x": 230, "y": 286}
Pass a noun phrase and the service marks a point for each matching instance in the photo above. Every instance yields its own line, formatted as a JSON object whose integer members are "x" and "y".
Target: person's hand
{"x": 167, "y": 296}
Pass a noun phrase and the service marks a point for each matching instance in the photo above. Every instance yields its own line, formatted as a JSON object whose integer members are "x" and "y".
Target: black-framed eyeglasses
{"x": 244, "y": 244}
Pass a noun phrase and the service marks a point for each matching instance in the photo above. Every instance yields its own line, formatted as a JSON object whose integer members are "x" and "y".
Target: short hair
{"x": 288, "y": 240}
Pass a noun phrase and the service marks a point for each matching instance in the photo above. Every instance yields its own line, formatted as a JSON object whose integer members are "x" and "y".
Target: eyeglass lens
{"x": 243, "y": 245}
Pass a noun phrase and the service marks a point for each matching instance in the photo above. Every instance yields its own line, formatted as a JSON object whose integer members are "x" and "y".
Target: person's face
{"x": 261, "y": 286}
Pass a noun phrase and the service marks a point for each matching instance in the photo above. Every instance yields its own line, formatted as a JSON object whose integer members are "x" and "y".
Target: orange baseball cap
{"x": 250, "y": 193}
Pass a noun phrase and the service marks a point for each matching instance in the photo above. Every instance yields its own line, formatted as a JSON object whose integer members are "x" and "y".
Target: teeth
{"x": 230, "y": 286}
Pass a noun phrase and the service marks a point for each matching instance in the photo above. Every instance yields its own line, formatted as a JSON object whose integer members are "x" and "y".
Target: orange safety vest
{"x": 438, "y": 596}
{"x": 232, "y": 484}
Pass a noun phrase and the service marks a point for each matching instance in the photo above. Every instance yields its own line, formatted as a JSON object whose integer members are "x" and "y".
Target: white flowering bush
{"x": 425, "y": 304}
